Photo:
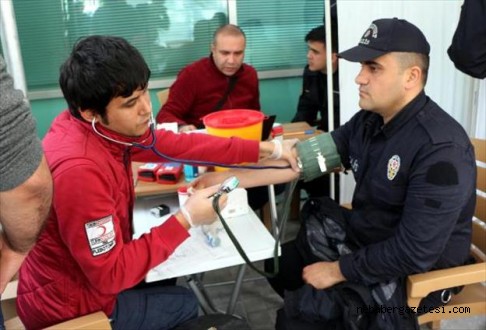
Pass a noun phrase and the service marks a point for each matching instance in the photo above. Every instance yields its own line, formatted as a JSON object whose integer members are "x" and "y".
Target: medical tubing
{"x": 203, "y": 163}
{"x": 286, "y": 208}
{"x": 152, "y": 147}
{"x": 240, "y": 249}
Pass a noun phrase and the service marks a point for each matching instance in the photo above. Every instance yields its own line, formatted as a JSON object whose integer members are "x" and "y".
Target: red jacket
{"x": 86, "y": 255}
{"x": 200, "y": 86}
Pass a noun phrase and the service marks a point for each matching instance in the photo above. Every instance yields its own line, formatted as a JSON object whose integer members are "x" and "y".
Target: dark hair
{"x": 319, "y": 34}
{"x": 228, "y": 29}
{"x": 99, "y": 69}
{"x": 407, "y": 60}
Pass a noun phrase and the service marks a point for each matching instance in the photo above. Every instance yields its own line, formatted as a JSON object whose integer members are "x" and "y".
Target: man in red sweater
{"x": 220, "y": 81}
{"x": 85, "y": 259}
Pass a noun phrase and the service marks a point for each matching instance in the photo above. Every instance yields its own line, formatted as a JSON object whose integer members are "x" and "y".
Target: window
{"x": 169, "y": 33}
{"x": 275, "y": 31}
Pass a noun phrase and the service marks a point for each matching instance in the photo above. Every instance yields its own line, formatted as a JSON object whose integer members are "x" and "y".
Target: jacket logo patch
{"x": 393, "y": 167}
{"x": 354, "y": 164}
{"x": 101, "y": 235}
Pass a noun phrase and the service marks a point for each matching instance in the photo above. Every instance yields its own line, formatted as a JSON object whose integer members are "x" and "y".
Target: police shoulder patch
{"x": 393, "y": 167}
{"x": 101, "y": 235}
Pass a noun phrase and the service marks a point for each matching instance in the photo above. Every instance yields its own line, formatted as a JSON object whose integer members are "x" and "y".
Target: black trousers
{"x": 287, "y": 323}
{"x": 291, "y": 264}
{"x": 289, "y": 278}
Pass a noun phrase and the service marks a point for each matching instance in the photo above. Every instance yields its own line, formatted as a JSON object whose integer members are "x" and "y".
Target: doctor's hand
{"x": 280, "y": 150}
{"x": 198, "y": 209}
{"x": 322, "y": 275}
{"x": 289, "y": 153}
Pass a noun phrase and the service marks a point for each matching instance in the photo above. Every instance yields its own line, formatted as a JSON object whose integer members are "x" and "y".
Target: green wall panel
{"x": 280, "y": 96}
{"x": 45, "y": 111}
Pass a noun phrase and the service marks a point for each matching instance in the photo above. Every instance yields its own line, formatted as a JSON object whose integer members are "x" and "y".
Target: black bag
{"x": 215, "y": 321}
{"x": 323, "y": 237}
{"x": 339, "y": 307}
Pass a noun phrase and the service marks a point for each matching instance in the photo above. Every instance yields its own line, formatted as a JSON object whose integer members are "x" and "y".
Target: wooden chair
{"x": 97, "y": 320}
{"x": 163, "y": 96}
{"x": 472, "y": 299}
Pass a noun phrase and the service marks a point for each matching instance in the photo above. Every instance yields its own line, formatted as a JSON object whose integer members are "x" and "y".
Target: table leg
{"x": 197, "y": 287}
{"x": 236, "y": 290}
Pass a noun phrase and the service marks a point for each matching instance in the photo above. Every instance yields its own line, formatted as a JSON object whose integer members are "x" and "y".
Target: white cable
{"x": 93, "y": 122}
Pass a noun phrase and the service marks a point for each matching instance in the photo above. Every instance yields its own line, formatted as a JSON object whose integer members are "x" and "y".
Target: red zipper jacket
{"x": 200, "y": 86}
{"x": 86, "y": 255}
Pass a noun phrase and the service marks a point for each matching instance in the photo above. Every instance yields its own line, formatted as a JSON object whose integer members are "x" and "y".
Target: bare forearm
{"x": 25, "y": 208}
{"x": 252, "y": 178}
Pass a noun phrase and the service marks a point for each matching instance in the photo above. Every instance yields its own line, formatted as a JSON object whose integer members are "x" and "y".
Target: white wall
{"x": 480, "y": 131}
{"x": 437, "y": 19}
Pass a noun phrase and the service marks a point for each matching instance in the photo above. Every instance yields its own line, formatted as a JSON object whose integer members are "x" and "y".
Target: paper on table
{"x": 195, "y": 255}
{"x": 193, "y": 248}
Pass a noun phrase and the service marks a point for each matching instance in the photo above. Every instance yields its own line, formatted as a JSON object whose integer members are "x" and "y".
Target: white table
{"x": 195, "y": 256}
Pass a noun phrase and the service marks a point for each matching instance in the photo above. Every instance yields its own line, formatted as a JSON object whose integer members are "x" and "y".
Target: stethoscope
{"x": 151, "y": 146}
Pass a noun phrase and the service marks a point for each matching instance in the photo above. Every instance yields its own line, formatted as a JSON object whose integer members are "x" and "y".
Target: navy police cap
{"x": 385, "y": 36}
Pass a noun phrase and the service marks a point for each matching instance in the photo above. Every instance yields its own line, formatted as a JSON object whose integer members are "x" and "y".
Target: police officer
{"x": 413, "y": 165}
{"x": 414, "y": 169}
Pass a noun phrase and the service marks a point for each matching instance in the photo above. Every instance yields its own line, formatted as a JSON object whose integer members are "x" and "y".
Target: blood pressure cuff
{"x": 317, "y": 156}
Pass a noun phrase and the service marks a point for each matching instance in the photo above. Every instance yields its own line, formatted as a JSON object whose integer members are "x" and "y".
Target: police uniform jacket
{"x": 415, "y": 192}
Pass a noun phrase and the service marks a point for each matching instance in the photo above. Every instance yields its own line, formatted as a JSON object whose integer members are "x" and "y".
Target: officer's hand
{"x": 322, "y": 275}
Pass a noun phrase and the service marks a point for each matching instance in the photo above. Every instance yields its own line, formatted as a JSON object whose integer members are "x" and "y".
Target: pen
{"x": 306, "y": 132}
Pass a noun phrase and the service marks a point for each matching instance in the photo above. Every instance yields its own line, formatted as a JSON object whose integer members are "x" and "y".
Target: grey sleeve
{"x": 20, "y": 147}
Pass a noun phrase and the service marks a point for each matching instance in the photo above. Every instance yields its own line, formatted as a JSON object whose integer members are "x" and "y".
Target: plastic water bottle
{"x": 190, "y": 172}
{"x": 212, "y": 234}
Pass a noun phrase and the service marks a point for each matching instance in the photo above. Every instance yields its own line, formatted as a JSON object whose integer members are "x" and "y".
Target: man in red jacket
{"x": 220, "y": 81}
{"x": 86, "y": 260}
